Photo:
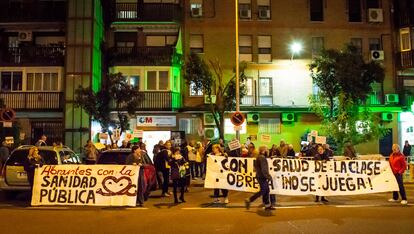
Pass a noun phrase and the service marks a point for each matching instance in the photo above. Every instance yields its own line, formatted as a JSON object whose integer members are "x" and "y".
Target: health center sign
{"x": 156, "y": 121}
{"x": 85, "y": 185}
{"x": 302, "y": 177}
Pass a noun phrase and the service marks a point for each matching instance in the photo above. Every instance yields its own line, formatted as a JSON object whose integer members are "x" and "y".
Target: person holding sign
{"x": 263, "y": 176}
{"x": 33, "y": 161}
{"x": 217, "y": 151}
{"x": 398, "y": 166}
{"x": 179, "y": 168}
{"x": 321, "y": 156}
{"x": 135, "y": 158}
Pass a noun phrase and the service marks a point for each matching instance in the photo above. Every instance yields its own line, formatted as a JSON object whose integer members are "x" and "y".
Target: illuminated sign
{"x": 156, "y": 121}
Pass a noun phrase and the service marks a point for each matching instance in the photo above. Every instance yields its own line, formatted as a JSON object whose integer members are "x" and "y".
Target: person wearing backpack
{"x": 179, "y": 168}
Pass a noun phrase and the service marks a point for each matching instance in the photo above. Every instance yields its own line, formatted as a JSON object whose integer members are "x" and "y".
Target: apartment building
{"x": 278, "y": 81}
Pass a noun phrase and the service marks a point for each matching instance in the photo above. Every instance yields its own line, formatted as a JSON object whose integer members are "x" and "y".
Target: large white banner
{"x": 302, "y": 177}
{"x": 85, "y": 185}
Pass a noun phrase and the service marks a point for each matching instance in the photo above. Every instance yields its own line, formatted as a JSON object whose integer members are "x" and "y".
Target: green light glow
{"x": 98, "y": 35}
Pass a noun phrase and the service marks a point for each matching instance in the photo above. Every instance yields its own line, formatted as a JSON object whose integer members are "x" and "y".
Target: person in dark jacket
{"x": 407, "y": 149}
{"x": 321, "y": 156}
{"x": 217, "y": 151}
{"x": 4, "y": 153}
{"x": 291, "y": 152}
{"x": 263, "y": 176}
{"x": 33, "y": 161}
{"x": 161, "y": 163}
{"x": 179, "y": 168}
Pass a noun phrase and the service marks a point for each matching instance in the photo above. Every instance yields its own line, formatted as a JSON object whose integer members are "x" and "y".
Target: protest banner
{"x": 85, "y": 185}
{"x": 302, "y": 177}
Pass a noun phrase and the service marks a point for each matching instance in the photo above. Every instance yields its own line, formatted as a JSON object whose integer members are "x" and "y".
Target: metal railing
{"x": 158, "y": 100}
{"x": 406, "y": 59}
{"x": 32, "y": 11}
{"x": 146, "y": 12}
{"x": 34, "y": 55}
{"x": 144, "y": 56}
{"x": 33, "y": 100}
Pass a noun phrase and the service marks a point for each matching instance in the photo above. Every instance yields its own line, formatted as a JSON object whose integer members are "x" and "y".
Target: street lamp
{"x": 236, "y": 2}
{"x": 295, "y": 48}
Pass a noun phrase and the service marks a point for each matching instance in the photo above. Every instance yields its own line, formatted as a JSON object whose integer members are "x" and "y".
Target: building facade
{"x": 51, "y": 47}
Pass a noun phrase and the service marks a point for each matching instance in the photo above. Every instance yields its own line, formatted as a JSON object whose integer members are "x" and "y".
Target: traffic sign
{"x": 237, "y": 118}
{"x": 7, "y": 114}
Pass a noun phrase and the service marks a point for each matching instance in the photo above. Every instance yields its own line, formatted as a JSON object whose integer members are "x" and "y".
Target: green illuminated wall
{"x": 83, "y": 65}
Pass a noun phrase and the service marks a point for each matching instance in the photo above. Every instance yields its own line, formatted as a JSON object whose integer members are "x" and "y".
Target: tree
{"x": 344, "y": 80}
{"x": 210, "y": 79}
{"x": 115, "y": 94}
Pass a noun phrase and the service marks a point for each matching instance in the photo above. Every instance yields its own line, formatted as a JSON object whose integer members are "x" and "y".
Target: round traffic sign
{"x": 237, "y": 118}
{"x": 7, "y": 114}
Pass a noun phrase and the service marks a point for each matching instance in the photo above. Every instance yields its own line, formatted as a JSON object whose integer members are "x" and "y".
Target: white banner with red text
{"x": 85, "y": 185}
{"x": 302, "y": 177}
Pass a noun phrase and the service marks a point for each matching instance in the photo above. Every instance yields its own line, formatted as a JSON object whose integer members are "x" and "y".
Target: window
{"x": 249, "y": 86}
{"x": 155, "y": 40}
{"x": 245, "y": 9}
{"x": 133, "y": 80}
{"x": 263, "y": 7}
{"x": 354, "y": 10}
{"x": 269, "y": 125}
{"x": 42, "y": 82}
{"x": 196, "y": 8}
{"x": 265, "y": 91}
{"x": 157, "y": 80}
{"x": 264, "y": 44}
{"x": 373, "y": 4}
{"x": 316, "y": 10}
{"x": 193, "y": 92}
{"x": 190, "y": 125}
{"x": 11, "y": 81}
{"x": 196, "y": 44}
{"x": 245, "y": 48}
{"x": 405, "y": 42}
{"x": 317, "y": 45}
{"x": 357, "y": 42}
{"x": 374, "y": 44}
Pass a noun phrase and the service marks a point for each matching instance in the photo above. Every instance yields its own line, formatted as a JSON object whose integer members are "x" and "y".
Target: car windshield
{"x": 19, "y": 156}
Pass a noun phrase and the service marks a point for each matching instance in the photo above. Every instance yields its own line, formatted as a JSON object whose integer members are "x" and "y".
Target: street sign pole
{"x": 237, "y": 63}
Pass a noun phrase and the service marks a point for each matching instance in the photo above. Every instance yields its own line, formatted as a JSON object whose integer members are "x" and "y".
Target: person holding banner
{"x": 217, "y": 151}
{"x": 263, "y": 176}
{"x": 33, "y": 161}
{"x": 398, "y": 166}
{"x": 135, "y": 158}
{"x": 321, "y": 156}
{"x": 179, "y": 168}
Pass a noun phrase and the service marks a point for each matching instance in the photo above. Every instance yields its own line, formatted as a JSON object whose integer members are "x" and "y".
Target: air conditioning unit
{"x": 245, "y": 14}
{"x": 387, "y": 116}
{"x": 391, "y": 98}
{"x": 209, "y": 99}
{"x": 264, "y": 14}
{"x": 375, "y": 15}
{"x": 25, "y": 36}
{"x": 196, "y": 12}
{"x": 288, "y": 117}
{"x": 209, "y": 119}
{"x": 253, "y": 117}
{"x": 210, "y": 133}
{"x": 377, "y": 55}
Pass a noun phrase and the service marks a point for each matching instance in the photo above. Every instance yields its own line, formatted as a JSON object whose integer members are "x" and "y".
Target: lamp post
{"x": 236, "y": 15}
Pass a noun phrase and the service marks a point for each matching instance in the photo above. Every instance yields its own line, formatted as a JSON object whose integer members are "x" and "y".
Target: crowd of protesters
{"x": 186, "y": 162}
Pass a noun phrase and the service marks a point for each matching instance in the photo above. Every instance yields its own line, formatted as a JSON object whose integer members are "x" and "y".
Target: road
{"x": 345, "y": 214}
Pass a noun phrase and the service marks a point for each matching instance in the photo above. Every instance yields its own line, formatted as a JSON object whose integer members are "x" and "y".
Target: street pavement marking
{"x": 204, "y": 208}
{"x": 136, "y": 208}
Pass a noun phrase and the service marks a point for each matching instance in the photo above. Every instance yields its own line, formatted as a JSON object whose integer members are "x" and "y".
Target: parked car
{"x": 14, "y": 178}
{"x": 118, "y": 157}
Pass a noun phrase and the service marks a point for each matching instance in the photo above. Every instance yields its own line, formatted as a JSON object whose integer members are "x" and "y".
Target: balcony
{"x": 141, "y": 56}
{"x": 41, "y": 101}
{"x": 159, "y": 101}
{"x": 406, "y": 59}
{"x": 147, "y": 12}
{"x": 33, "y": 56}
{"x": 32, "y": 11}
